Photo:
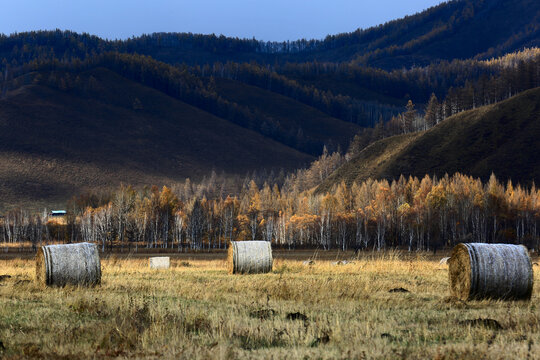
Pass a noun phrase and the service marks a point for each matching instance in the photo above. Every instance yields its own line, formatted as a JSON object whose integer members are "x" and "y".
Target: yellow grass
{"x": 195, "y": 310}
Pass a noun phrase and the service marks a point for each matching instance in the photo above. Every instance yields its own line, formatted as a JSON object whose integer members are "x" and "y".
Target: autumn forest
{"x": 416, "y": 214}
{"x": 416, "y": 134}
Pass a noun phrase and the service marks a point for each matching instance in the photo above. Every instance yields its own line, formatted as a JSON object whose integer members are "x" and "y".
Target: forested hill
{"x": 68, "y": 101}
{"x": 459, "y": 29}
{"x": 452, "y": 30}
{"x": 358, "y": 77}
{"x": 375, "y": 71}
{"x": 500, "y": 138}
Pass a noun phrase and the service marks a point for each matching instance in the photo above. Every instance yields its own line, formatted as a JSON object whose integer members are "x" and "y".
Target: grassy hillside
{"x": 56, "y": 143}
{"x": 500, "y": 138}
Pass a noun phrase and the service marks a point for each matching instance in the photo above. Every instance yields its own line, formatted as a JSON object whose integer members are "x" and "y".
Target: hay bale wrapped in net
{"x": 490, "y": 271}
{"x": 73, "y": 264}
{"x": 159, "y": 262}
{"x": 249, "y": 257}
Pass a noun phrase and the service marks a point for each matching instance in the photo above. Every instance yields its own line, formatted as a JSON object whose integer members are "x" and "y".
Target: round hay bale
{"x": 159, "y": 262}
{"x": 249, "y": 257}
{"x": 74, "y": 264}
{"x": 490, "y": 271}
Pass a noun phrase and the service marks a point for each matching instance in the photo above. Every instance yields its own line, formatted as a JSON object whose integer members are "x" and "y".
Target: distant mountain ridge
{"x": 458, "y": 29}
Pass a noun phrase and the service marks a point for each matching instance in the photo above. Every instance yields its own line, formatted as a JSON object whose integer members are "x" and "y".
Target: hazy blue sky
{"x": 265, "y": 20}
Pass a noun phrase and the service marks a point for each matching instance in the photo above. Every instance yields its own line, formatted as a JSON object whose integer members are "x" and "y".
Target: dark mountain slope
{"x": 455, "y": 30}
{"x": 303, "y": 123}
{"x": 110, "y": 130}
{"x": 500, "y": 138}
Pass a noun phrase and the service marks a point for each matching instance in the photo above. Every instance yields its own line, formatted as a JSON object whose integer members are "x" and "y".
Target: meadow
{"x": 387, "y": 305}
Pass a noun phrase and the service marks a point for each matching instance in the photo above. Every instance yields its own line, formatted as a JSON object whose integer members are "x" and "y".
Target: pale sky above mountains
{"x": 275, "y": 20}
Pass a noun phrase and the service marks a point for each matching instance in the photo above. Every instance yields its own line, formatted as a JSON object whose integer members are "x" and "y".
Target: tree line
{"x": 409, "y": 213}
{"x": 509, "y": 75}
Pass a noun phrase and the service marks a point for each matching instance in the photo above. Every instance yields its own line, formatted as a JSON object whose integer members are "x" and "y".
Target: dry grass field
{"x": 195, "y": 310}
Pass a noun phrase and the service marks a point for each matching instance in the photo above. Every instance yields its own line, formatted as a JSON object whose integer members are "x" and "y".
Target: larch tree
{"x": 409, "y": 117}
{"x": 432, "y": 111}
